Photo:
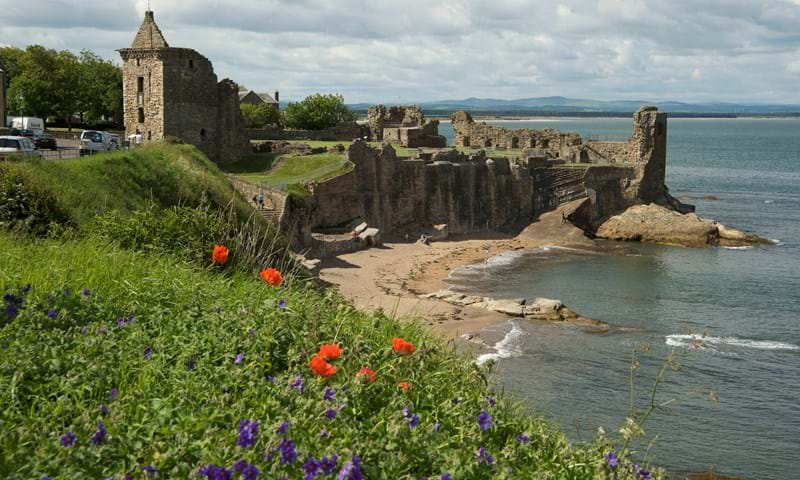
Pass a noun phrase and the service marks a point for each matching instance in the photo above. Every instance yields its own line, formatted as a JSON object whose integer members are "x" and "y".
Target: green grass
{"x": 179, "y": 409}
{"x": 289, "y": 170}
{"x": 255, "y": 163}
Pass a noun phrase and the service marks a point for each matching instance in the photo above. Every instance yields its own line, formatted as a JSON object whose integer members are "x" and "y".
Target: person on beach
{"x": 563, "y": 218}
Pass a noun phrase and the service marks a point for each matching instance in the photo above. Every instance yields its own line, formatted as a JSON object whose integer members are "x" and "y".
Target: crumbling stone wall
{"x": 404, "y": 125}
{"x": 469, "y": 133}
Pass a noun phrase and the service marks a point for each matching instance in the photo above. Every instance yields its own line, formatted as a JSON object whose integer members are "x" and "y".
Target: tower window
{"x": 141, "y": 115}
{"x": 191, "y": 63}
{"x": 202, "y": 134}
{"x": 138, "y": 62}
{"x": 140, "y": 85}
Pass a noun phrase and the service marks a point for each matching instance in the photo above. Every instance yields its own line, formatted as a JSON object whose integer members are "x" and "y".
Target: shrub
{"x": 25, "y": 206}
{"x": 317, "y": 112}
{"x": 257, "y": 116}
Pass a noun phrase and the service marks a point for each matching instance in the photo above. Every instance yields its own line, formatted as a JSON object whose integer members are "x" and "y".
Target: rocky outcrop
{"x": 656, "y": 224}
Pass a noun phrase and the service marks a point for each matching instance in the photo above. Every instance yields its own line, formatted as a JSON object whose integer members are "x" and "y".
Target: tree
{"x": 317, "y": 112}
{"x": 35, "y": 89}
{"x": 100, "y": 89}
{"x": 257, "y": 116}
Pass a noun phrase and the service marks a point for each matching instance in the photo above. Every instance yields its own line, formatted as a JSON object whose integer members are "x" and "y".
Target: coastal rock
{"x": 656, "y": 224}
{"x": 509, "y": 307}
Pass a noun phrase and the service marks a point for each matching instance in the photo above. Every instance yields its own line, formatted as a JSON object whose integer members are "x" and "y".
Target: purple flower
{"x": 11, "y": 311}
{"x": 491, "y": 401}
{"x": 52, "y": 314}
{"x": 328, "y": 465}
{"x": 351, "y": 470}
{"x": 113, "y": 393}
{"x": 248, "y": 471}
{"x": 84, "y": 329}
{"x": 26, "y": 289}
{"x": 86, "y": 292}
{"x": 46, "y": 478}
{"x": 288, "y": 452}
{"x": 248, "y": 430}
{"x": 323, "y": 433}
{"x": 446, "y": 476}
{"x": 483, "y": 457}
{"x": 103, "y": 409}
{"x": 330, "y": 414}
{"x": 150, "y": 470}
{"x": 99, "y": 435}
{"x": 484, "y": 421}
{"x": 148, "y": 352}
{"x": 283, "y": 428}
{"x": 611, "y": 459}
{"x": 645, "y": 474}
{"x": 131, "y": 318}
{"x": 121, "y": 322}
{"x": 523, "y": 439}
{"x": 68, "y": 439}
{"x": 213, "y": 472}
{"x": 328, "y": 394}
{"x": 271, "y": 378}
{"x": 413, "y": 421}
{"x": 310, "y": 467}
{"x": 298, "y": 384}
{"x": 281, "y": 303}
{"x": 406, "y": 411}
{"x": 238, "y": 359}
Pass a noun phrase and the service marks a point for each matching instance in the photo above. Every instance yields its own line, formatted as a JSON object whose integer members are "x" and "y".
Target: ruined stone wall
{"x": 233, "y": 142}
{"x": 608, "y": 152}
{"x": 147, "y": 65}
{"x": 469, "y": 133}
{"x": 381, "y": 116}
{"x": 341, "y": 200}
{"x": 648, "y": 148}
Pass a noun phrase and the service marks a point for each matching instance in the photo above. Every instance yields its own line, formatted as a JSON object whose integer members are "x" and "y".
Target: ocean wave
{"x": 769, "y": 201}
{"x": 504, "y": 259}
{"x": 509, "y": 346}
{"x": 746, "y": 247}
{"x": 704, "y": 342}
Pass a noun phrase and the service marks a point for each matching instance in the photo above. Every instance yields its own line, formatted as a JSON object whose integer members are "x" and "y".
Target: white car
{"x": 93, "y": 141}
{"x": 22, "y": 146}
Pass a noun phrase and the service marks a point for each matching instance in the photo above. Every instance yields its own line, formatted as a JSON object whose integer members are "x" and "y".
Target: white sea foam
{"x": 746, "y": 247}
{"x": 503, "y": 259}
{"x": 769, "y": 201}
{"x": 509, "y": 346}
{"x": 716, "y": 343}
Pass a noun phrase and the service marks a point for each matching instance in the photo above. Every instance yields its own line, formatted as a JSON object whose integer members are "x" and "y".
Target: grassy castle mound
{"x": 127, "y": 351}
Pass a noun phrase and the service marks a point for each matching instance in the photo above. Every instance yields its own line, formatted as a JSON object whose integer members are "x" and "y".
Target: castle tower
{"x": 648, "y": 149}
{"x": 173, "y": 92}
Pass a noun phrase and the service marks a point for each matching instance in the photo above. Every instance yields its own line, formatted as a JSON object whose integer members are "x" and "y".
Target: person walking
{"x": 260, "y": 200}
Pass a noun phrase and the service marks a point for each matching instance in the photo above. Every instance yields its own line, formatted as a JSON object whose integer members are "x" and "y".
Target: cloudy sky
{"x": 417, "y": 50}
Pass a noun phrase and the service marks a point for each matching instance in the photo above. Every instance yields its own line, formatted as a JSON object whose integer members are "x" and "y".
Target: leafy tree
{"x": 100, "y": 89}
{"x": 35, "y": 89}
{"x": 317, "y": 112}
{"x": 10, "y": 58}
{"x": 257, "y": 116}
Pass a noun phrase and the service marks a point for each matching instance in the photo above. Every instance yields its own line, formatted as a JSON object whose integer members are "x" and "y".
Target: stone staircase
{"x": 274, "y": 200}
{"x": 560, "y": 185}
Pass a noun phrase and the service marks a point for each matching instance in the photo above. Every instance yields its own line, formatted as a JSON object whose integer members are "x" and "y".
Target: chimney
{"x": 277, "y": 96}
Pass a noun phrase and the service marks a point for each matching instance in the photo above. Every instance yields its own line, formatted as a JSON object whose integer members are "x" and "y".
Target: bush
{"x": 317, "y": 112}
{"x": 25, "y": 206}
{"x": 258, "y": 116}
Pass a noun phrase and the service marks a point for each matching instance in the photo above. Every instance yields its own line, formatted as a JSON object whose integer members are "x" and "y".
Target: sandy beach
{"x": 393, "y": 276}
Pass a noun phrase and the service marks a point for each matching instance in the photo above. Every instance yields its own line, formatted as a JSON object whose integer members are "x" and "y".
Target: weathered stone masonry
{"x": 174, "y": 92}
{"x": 404, "y": 125}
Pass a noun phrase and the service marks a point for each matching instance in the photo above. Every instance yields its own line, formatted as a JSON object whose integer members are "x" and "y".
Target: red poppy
{"x": 404, "y": 386}
{"x": 402, "y": 347}
{"x": 320, "y": 367}
{"x": 330, "y": 352}
{"x": 220, "y": 254}
{"x": 271, "y": 276}
{"x": 366, "y": 376}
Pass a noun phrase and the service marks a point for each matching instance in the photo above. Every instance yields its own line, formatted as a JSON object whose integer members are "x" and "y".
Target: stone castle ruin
{"x": 404, "y": 125}
{"x": 173, "y": 92}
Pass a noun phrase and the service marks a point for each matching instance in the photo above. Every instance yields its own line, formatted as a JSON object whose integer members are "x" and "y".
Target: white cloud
{"x": 793, "y": 67}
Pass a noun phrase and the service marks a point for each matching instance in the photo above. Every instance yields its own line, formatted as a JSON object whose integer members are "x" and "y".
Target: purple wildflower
{"x": 99, "y": 435}
{"x": 351, "y": 470}
{"x": 84, "y": 329}
{"x": 330, "y": 414}
{"x": 46, "y": 478}
{"x": 523, "y": 439}
{"x": 644, "y": 473}
{"x": 148, "y": 352}
{"x": 121, "y": 322}
{"x": 298, "y": 384}
{"x": 282, "y": 428}
{"x": 406, "y": 411}
{"x": 131, "y": 318}
{"x": 446, "y": 476}
{"x": 52, "y": 314}
{"x": 484, "y": 421}
{"x": 328, "y": 394}
{"x": 86, "y": 292}
{"x": 238, "y": 359}
{"x": 310, "y": 467}
{"x": 413, "y": 421}
{"x": 248, "y": 430}
{"x": 68, "y": 439}
{"x": 150, "y": 470}
{"x": 103, "y": 409}
{"x": 271, "y": 378}
{"x": 483, "y": 457}
{"x": 26, "y": 289}
{"x": 281, "y": 303}
{"x": 323, "y": 433}
{"x": 213, "y": 472}
{"x": 11, "y": 311}
{"x": 328, "y": 465}
{"x": 113, "y": 393}
{"x": 248, "y": 471}
{"x": 288, "y": 452}
{"x": 491, "y": 401}
{"x": 611, "y": 459}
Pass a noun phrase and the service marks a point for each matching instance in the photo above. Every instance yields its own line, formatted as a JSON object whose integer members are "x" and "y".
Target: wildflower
{"x": 121, "y": 322}
{"x": 84, "y": 329}
{"x": 131, "y": 318}
{"x": 413, "y": 421}
{"x": 86, "y": 292}
{"x": 523, "y": 439}
{"x": 150, "y": 470}
{"x": 271, "y": 378}
{"x": 483, "y": 457}
{"x": 281, "y": 303}
{"x": 320, "y": 367}
{"x": 644, "y": 473}
{"x": 351, "y": 470}
{"x": 330, "y": 352}
{"x": 366, "y": 376}
{"x": 282, "y": 428}
{"x": 248, "y": 471}
{"x": 248, "y": 430}
{"x": 272, "y": 277}
{"x": 113, "y": 393}
{"x": 330, "y": 414}
{"x": 298, "y": 384}
{"x": 11, "y": 311}
{"x": 26, "y": 289}
{"x": 68, "y": 439}
{"x": 491, "y": 401}
{"x": 52, "y": 314}
{"x": 238, "y": 359}
{"x": 103, "y": 409}
{"x": 446, "y": 476}
{"x": 611, "y": 459}
{"x": 47, "y": 478}
{"x": 484, "y": 421}
{"x": 288, "y": 452}
{"x": 328, "y": 465}
{"x": 328, "y": 394}
{"x": 323, "y": 433}
{"x": 406, "y": 411}
{"x": 148, "y": 352}
{"x": 99, "y": 435}
{"x": 310, "y": 466}
{"x": 402, "y": 347}
{"x": 213, "y": 472}
{"x": 404, "y": 386}
{"x": 220, "y": 254}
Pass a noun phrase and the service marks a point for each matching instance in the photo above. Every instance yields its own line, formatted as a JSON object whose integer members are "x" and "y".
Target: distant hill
{"x": 586, "y": 107}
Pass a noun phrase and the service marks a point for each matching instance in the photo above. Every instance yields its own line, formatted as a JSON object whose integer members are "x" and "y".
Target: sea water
{"x": 732, "y": 316}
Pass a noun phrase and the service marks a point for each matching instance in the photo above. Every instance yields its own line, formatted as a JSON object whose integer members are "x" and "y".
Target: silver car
{"x": 22, "y": 146}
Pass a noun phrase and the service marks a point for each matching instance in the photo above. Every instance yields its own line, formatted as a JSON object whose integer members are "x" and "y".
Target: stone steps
{"x": 274, "y": 200}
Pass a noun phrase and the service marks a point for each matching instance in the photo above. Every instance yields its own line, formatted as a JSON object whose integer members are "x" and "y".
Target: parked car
{"x": 93, "y": 141}
{"x": 45, "y": 141}
{"x": 17, "y": 145}
{"x": 22, "y": 132}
